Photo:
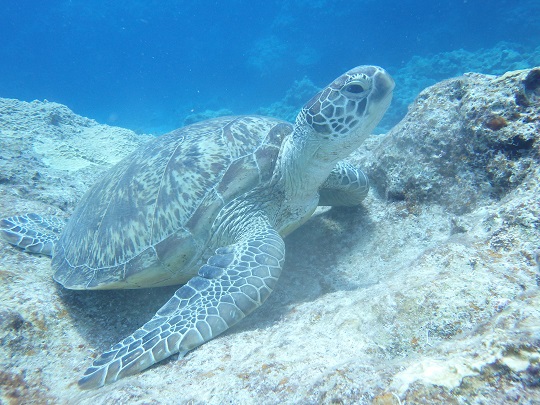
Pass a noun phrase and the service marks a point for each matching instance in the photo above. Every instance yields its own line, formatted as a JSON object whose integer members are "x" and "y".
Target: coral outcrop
{"x": 466, "y": 141}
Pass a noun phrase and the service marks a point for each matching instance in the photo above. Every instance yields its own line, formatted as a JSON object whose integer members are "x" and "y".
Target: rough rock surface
{"x": 429, "y": 293}
{"x": 465, "y": 142}
{"x": 51, "y": 155}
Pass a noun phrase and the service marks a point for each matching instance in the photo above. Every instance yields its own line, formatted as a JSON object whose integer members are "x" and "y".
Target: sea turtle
{"x": 207, "y": 206}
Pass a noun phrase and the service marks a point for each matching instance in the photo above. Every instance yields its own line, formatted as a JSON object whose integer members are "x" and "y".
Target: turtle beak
{"x": 383, "y": 85}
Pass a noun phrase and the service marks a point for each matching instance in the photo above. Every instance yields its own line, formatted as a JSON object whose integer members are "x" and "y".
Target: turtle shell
{"x": 148, "y": 221}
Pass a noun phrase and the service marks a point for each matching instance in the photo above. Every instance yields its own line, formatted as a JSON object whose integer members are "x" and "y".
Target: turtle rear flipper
{"x": 31, "y": 232}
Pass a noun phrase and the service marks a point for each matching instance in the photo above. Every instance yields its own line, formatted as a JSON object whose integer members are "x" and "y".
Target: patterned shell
{"x": 148, "y": 221}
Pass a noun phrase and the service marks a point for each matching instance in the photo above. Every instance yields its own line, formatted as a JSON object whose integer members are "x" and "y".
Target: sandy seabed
{"x": 427, "y": 293}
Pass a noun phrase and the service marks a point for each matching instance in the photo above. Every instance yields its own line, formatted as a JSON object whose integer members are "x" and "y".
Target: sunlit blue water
{"x": 147, "y": 65}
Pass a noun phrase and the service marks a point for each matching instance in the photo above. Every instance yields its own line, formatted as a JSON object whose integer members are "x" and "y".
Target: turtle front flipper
{"x": 346, "y": 186}
{"x": 31, "y": 232}
{"x": 233, "y": 283}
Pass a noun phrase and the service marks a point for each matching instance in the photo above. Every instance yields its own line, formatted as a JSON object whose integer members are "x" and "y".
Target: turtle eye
{"x": 354, "y": 88}
{"x": 357, "y": 88}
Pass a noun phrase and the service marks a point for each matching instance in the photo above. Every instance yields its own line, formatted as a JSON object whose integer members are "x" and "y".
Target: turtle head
{"x": 343, "y": 114}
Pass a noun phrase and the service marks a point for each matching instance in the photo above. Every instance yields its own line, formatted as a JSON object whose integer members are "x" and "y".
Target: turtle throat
{"x": 304, "y": 164}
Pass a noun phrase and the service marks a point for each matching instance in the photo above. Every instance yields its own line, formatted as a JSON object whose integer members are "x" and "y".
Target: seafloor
{"x": 428, "y": 293}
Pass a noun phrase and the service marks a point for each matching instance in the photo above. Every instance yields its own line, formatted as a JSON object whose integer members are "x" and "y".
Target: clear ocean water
{"x": 153, "y": 66}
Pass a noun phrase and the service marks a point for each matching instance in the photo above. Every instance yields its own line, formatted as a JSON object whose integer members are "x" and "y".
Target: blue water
{"x": 147, "y": 65}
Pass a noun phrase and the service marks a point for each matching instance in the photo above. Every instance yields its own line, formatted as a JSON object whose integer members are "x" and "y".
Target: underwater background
{"x": 426, "y": 293}
{"x": 153, "y": 66}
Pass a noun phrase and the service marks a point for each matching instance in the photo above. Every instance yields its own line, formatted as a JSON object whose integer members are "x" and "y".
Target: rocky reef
{"x": 428, "y": 293}
{"x": 423, "y": 71}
